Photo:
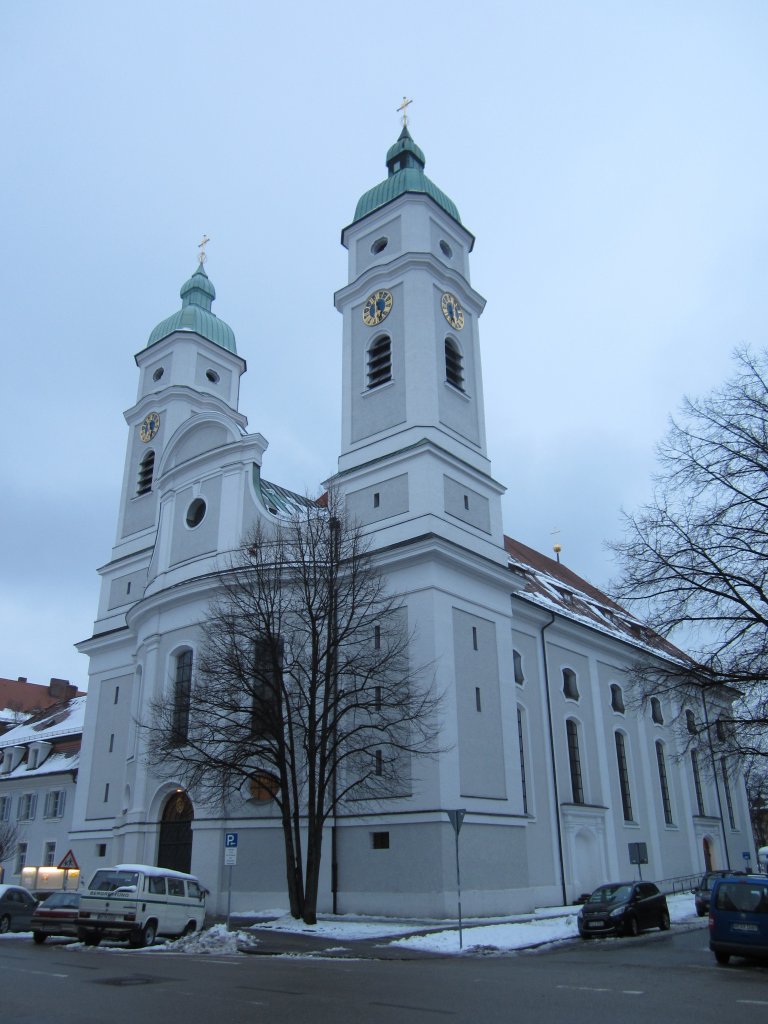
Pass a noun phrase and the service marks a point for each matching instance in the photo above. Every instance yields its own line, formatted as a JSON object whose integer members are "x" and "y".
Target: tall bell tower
{"x": 413, "y": 452}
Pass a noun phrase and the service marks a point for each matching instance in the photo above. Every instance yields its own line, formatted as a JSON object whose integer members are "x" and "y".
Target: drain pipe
{"x": 552, "y": 755}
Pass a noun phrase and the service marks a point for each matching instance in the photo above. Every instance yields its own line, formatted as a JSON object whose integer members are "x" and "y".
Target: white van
{"x": 138, "y": 902}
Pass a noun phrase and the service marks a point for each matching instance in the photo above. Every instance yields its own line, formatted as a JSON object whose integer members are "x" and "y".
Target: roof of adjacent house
{"x": 61, "y": 726}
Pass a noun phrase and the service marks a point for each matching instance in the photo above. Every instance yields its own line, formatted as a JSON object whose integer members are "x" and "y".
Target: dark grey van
{"x": 738, "y": 917}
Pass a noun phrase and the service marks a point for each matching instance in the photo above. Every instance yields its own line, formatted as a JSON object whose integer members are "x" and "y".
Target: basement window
{"x": 380, "y": 840}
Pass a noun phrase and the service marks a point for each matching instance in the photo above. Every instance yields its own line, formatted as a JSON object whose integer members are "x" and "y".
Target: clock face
{"x": 149, "y": 426}
{"x": 452, "y": 311}
{"x": 377, "y": 308}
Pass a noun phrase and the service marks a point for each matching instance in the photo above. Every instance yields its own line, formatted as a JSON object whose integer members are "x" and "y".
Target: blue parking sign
{"x": 230, "y": 840}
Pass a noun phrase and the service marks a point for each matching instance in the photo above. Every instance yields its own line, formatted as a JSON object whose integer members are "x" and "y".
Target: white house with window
{"x": 38, "y": 775}
{"x": 558, "y": 773}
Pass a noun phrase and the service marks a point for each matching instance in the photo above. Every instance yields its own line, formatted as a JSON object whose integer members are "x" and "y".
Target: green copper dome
{"x": 195, "y": 314}
{"x": 405, "y": 164}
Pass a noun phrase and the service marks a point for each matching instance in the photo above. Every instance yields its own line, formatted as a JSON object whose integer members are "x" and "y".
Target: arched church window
{"x": 380, "y": 362}
{"x": 182, "y": 690}
{"x": 454, "y": 364}
{"x": 146, "y": 472}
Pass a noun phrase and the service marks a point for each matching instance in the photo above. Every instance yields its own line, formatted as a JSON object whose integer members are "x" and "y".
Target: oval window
{"x": 158, "y": 373}
{"x": 212, "y": 376}
{"x": 379, "y": 245}
{"x": 195, "y": 513}
{"x": 445, "y": 249}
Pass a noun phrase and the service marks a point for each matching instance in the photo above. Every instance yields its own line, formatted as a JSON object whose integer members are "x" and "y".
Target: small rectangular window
{"x": 106, "y": 792}
{"x": 379, "y": 763}
{"x": 477, "y": 699}
{"x": 101, "y": 849}
{"x": 117, "y": 694}
{"x": 376, "y": 499}
{"x": 21, "y": 857}
{"x": 377, "y": 698}
{"x": 380, "y": 840}
{"x": 377, "y": 638}
{"x": 49, "y": 855}
{"x": 474, "y": 638}
{"x": 111, "y": 742}
{"x": 466, "y": 502}
{"x": 518, "y": 668}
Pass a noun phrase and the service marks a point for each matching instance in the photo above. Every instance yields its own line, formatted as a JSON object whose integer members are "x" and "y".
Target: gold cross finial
{"x": 403, "y": 108}
{"x": 201, "y": 246}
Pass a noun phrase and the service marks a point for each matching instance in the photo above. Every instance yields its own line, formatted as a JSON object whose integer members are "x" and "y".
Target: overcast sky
{"x": 609, "y": 157}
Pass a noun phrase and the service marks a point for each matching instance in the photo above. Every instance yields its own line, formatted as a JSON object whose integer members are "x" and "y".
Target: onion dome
{"x": 195, "y": 314}
{"x": 405, "y": 167}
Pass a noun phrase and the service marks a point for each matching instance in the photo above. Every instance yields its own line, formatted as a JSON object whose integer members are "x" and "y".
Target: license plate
{"x": 595, "y": 924}
{"x": 744, "y": 928}
{"x": 107, "y": 917}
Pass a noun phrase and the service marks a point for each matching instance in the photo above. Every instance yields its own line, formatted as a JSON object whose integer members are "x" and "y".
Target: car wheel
{"x": 723, "y": 958}
{"x": 90, "y": 938}
{"x": 5, "y": 924}
{"x": 190, "y": 929}
{"x": 149, "y": 934}
{"x": 664, "y": 921}
{"x": 39, "y": 937}
{"x": 631, "y": 927}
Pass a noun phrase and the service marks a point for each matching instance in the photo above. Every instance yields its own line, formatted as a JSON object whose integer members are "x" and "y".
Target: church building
{"x": 560, "y": 777}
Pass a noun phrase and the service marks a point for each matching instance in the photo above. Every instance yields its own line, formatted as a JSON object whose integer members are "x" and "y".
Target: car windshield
{"x": 62, "y": 899}
{"x": 611, "y": 894}
{"x": 108, "y": 881}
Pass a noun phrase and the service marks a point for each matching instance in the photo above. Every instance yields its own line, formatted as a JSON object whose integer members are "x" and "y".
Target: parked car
{"x": 56, "y": 915}
{"x": 703, "y": 891}
{"x": 623, "y": 908}
{"x": 738, "y": 917}
{"x": 16, "y": 906}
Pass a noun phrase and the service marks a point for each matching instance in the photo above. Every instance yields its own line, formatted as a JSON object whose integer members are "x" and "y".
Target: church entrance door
{"x": 175, "y": 847}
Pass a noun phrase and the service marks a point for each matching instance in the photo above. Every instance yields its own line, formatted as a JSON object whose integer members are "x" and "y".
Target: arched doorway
{"x": 175, "y": 847}
{"x": 707, "y": 854}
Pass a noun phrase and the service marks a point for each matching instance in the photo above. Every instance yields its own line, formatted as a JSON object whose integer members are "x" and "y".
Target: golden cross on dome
{"x": 404, "y": 109}
{"x": 201, "y": 246}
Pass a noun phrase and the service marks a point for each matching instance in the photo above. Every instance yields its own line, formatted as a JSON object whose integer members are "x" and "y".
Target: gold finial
{"x": 201, "y": 246}
{"x": 556, "y": 547}
{"x": 403, "y": 108}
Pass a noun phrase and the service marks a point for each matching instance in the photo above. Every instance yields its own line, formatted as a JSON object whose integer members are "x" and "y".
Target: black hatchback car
{"x": 623, "y": 908}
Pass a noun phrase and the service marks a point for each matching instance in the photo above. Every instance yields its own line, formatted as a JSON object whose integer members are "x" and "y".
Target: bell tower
{"x": 413, "y": 450}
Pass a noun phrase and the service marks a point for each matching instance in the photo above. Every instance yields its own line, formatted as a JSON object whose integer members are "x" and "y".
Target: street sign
{"x": 230, "y": 856}
{"x": 68, "y": 861}
{"x": 230, "y": 840}
{"x": 638, "y": 853}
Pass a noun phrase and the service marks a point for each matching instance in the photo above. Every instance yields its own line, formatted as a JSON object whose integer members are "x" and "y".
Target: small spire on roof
{"x": 403, "y": 109}
{"x": 201, "y": 246}
{"x": 556, "y": 547}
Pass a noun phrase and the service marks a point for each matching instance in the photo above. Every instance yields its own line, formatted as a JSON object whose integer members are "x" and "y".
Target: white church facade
{"x": 556, "y": 770}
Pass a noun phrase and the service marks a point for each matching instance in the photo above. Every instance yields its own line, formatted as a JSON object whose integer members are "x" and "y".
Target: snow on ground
{"x": 548, "y": 925}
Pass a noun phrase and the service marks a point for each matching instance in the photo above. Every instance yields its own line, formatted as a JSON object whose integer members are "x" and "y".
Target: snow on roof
{"x": 56, "y": 763}
{"x": 65, "y": 719}
{"x": 553, "y": 586}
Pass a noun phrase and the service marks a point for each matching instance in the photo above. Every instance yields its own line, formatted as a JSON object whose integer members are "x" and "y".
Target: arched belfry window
{"x": 146, "y": 472}
{"x": 454, "y": 364}
{"x": 380, "y": 362}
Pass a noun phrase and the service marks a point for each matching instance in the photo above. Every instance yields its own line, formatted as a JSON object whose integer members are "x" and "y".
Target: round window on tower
{"x": 212, "y": 376}
{"x": 158, "y": 373}
{"x": 195, "y": 513}
{"x": 379, "y": 245}
{"x": 446, "y": 250}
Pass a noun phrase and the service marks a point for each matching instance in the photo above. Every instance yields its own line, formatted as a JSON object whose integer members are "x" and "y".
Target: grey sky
{"x": 610, "y": 158}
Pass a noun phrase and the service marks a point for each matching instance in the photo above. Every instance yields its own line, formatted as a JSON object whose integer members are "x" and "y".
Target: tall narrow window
{"x": 574, "y": 761}
{"x": 521, "y": 744}
{"x": 49, "y": 855}
{"x": 146, "y": 472}
{"x": 379, "y": 769}
{"x": 182, "y": 688}
{"x": 656, "y": 712}
{"x": 621, "y": 763}
{"x": 380, "y": 362}
{"x": 617, "y": 699}
{"x": 690, "y": 722}
{"x": 697, "y": 782}
{"x": 663, "y": 784}
{"x": 267, "y": 680}
{"x": 727, "y": 790}
{"x": 21, "y": 857}
{"x": 454, "y": 369}
{"x": 517, "y": 662}
{"x": 570, "y": 684}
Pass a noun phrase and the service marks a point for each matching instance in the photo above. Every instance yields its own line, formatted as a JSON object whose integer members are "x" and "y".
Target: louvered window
{"x": 146, "y": 471}
{"x": 454, "y": 368}
{"x": 380, "y": 362}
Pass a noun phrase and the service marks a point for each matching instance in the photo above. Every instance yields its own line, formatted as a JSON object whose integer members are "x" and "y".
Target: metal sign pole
{"x": 456, "y": 818}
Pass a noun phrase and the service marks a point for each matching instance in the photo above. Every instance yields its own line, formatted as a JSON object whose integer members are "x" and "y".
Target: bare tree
{"x": 304, "y": 687}
{"x": 9, "y": 840}
{"x": 695, "y": 559}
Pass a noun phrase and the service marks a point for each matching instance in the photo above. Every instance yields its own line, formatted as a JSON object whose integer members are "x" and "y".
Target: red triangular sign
{"x": 68, "y": 861}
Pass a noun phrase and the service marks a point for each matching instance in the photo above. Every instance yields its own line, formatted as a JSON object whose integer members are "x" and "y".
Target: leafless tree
{"x": 9, "y": 840}
{"x": 695, "y": 560}
{"x": 304, "y": 687}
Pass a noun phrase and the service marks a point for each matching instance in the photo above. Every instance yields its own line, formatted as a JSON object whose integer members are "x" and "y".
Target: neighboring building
{"x": 19, "y": 699}
{"x": 38, "y": 774}
{"x": 556, "y": 775}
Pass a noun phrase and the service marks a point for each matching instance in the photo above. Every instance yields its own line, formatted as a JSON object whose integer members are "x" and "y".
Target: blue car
{"x": 738, "y": 917}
